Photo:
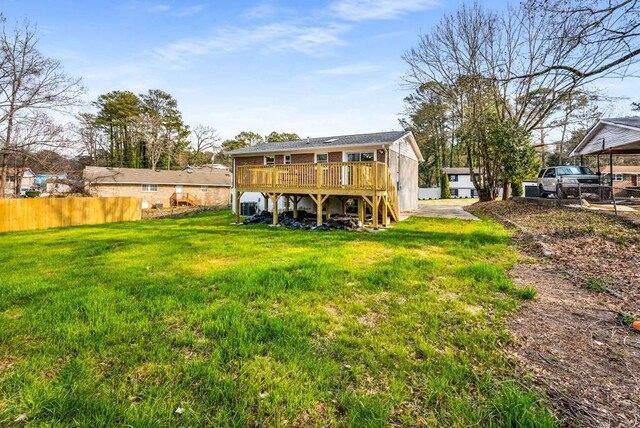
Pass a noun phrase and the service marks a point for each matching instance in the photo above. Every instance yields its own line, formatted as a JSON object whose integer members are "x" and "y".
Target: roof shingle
{"x": 103, "y": 175}
{"x": 312, "y": 143}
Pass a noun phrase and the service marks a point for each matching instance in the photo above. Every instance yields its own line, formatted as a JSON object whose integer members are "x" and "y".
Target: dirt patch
{"x": 177, "y": 212}
{"x": 569, "y": 339}
{"x": 598, "y": 251}
{"x": 585, "y": 267}
{"x": 5, "y": 365}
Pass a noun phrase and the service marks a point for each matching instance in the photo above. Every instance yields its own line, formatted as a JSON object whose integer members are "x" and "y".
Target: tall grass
{"x": 122, "y": 324}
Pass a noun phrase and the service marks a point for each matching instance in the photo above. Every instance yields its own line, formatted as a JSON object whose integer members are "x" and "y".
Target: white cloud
{"x": 273, "y": 37}
{"x": 165, "y": 8}
{"x": 188, "y": 11}
{"x": 361, "y": 10}
{"x": 349, "y": 70}
{"x": 261, "y": 11}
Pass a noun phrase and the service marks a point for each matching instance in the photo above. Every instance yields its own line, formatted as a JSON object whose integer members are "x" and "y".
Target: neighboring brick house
{"x": 350, "y": 162}
{"x": 19, "y": 180}
{"x": 160, "y": 187}
{"x": 625, "y": 175}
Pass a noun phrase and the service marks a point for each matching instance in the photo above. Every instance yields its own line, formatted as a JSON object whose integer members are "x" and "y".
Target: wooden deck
{"x": 370, "y": 183}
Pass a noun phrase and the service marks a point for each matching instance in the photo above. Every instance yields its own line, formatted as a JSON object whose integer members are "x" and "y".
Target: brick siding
{"x": 249, "y": 160}
{"x": 214, "y": 196}
{"x": 302, "y": 158}
{"x": 335, "y": 157}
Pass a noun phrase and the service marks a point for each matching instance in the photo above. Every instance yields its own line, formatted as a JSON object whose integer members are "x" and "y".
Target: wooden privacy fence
{"x": 44, "y": 213}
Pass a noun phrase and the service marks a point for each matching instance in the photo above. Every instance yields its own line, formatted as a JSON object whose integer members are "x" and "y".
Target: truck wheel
{"x": 542, "y": 193}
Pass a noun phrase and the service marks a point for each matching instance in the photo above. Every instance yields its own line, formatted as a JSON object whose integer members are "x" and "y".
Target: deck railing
{"x": 323, "y": 176}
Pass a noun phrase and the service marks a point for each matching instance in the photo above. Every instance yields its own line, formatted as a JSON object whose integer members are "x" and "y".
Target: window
{"x": 360, "y": 157}
{"x": 322, "y": 158}
{"x": 474, "y": 193}
{"x": 541, "y": 173}
{"x": 575, "y": 170}
{"x": 453, "y": 177}
{"x": 204, "y": 188}
{"x": 618, "y": 177}
{"x": 287, "y": 159}
{"x": 454, "y": 192}
{"x": 551, "y": 172}
{"x": 269, "y": 160}
{"x": 149, "y": 187}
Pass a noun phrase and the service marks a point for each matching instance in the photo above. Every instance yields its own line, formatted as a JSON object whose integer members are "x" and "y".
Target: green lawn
{"x": 122, "y": 324}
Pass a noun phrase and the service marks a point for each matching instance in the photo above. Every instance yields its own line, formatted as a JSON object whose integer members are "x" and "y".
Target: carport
{"x": 611, "y": 136}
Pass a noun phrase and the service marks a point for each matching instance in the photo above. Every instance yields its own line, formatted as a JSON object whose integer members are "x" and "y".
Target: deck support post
{"x": 328, "y": 208}
{"x": 266, "y": 201}
{"x": 385, "y": 220}
{"x": 343, "y": 211}
{"x": 287, "y": 203}
{"x": 295, "y": 207}
{"x": 237, "y": 205}
{"x": 275, "y": 197}
{"x": 375, "y": 199}
{"x": 319, "y": 200}
{"x": 319, "y": 210}
{"x": 374, "y": 211}
{"x": 361, "y": 214}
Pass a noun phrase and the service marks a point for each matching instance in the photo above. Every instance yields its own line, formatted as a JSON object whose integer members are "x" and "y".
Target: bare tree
{"x": 29, "y": 82}
{"x": 150, "y": 130}
{"x": 33, "y": 139}
{"x": 519, "y": 65}
{"x": 89, "y": 139}
{"x": 204, "y": 144}
{"x": 603, "y": 35}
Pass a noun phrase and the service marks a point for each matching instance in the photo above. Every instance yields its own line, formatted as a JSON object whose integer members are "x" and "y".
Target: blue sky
{"x": 312, "y": 67}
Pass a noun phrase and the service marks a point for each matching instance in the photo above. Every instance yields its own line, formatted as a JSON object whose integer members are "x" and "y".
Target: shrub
{"x": 516, "y": 188}
{"x": 32, "y": 193}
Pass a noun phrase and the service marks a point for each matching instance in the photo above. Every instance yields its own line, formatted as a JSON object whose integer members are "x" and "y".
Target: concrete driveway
{"x": 442, "y": 208}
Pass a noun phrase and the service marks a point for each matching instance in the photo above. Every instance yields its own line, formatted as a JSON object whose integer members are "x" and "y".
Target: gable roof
{"x": 376, "y": 138}
{"x": 625, "y": 140}
{"x": 104, "y": 175}
{"x": 623, "y": 169}
{"x": 464, "y": 170}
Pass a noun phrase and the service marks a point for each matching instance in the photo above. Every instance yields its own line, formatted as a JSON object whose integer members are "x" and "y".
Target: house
{"x": 59, "y": 186}
{"x": 40, "y": 179}
{"x": 160, "y": 188}
{"x": 206, "y": 167}
{"x": 626, "y": 175}
{"x": 19, "y": 180}
{"x": 378, "y": 172}
{"x": 608, "y": 137}
{"x": 460, "y": 183}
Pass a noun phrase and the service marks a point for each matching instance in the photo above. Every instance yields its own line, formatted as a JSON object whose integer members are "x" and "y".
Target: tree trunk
{"x": 506, "y": 190}
{"x": 7, "y": 144}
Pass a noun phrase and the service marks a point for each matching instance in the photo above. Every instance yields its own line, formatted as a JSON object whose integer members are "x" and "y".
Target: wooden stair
{"x": 392, "y": 198}
{"x": 183, "y": 199}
